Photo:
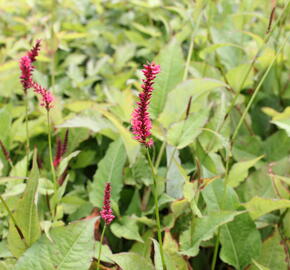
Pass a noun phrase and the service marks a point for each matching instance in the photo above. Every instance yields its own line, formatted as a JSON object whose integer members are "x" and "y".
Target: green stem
{"x": 27, "y": 134}
{"x": 156, "y": 209}
{"x": 100, "y": 249}
{"x": 160, "y": 154}
{"x": 13, "y": 221}
{"x": 50, "y": 150}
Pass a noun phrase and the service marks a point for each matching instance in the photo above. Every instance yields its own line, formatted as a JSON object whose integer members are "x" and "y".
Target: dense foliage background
{"x": 221, "y": 127}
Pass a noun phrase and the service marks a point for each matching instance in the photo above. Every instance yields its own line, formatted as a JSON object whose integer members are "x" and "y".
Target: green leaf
{"x": 128, "y": 259}
{"x": 258, "y": 206}
{"x": 239, "y": 171}
{"x": 184, "y": 132}
{"x": 172, "y": 67}
{"x": 211, "y": 48}
{"x": 240, "y": 241}
{"x": 110, "y": 169}
{"x": 173, "y": 260}
{"x": 131, "y": 145}
{"x": 234, "y": 76}
{"x": 259, "y": 266}
{"x": 26, "y": 215}
{"x": 71, "y": 248}
{"x": 273, "y": 255}
{"x": 157, "y": 256}
{"x": 176, "y": 175}
{"x": 177, "y": 100}
{"x": 127, "y": 228}
{"x": 217, "y": 198}
{"x": 203, "y": 229}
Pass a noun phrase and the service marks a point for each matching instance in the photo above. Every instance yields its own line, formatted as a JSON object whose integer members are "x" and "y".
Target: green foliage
{"x": 220, "y": 126}
{"x": 69, "y": 247}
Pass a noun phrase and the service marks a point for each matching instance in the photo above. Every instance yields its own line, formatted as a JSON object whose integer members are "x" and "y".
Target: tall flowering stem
{"x": 155, "y": 191}
{"x": 26, "y": 67}
{"x": 107, "y": 216}
{"x": 141, "y": 123}
{"x": 141, "y": 126}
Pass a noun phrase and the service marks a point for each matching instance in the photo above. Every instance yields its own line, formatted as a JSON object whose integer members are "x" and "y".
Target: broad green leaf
{"x": 259, "y": 266}
{"x": 126, "y": 227}
{"x": 128, "y": 259}
{"x": 26, "y": 216}
{"x": 172, "y": 66}
{"x": 240, "y": 241}
{"x": 183, "y": 133}
{"x": 273, "y": 254}
{"x": 239, "y": 171}
{"x": 203, "y": 229}
{"x": 217, "y": 197}
{"x": 71, "y": 248}
{"x": 178, "y": 98}
{"x": 110, "y": 169}
{"x": 234, "y": 76}
{"x": 258, "y": 206}
{"x": 131, "y": 145}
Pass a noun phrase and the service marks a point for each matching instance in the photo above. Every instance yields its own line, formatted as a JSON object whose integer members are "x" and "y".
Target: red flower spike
{"x": 26, "y": 72}
{"x": 57, "y": 158}
{"x": 107, "y": 213}
{"x": 65, "y": 142}
{"x": 141, "y": 123}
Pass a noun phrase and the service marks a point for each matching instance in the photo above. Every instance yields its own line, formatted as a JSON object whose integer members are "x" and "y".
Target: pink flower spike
{"x": 107, "y": 213}
{"x": 26, "y": 72}
{"x": 141, "y": 123}
{"x": 46, "y": 96}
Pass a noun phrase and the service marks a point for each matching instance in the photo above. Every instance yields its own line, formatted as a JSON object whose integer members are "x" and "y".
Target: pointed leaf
{"x": 203, "y": 229}
{"x": 240, "y": 241}
{"x": 71, "y": 248}
{"x": 109, "y": 170}
{"x": 172, "y": 67}
{"x": 239, "y": 171}
{"x": 26, "y": 216}
{"x": 273, "y": 255}
{"x": 258, "y": 206}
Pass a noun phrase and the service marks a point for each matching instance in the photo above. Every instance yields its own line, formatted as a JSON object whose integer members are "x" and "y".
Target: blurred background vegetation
{"x": 91, "y": 56}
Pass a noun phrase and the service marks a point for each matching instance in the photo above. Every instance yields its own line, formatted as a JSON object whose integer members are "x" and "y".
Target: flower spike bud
{"x": 33, "y": 53}
{"x": 26, "y": 72}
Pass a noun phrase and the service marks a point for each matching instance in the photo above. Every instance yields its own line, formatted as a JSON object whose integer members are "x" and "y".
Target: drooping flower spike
{"x": 107, "y": 213}
{"x": 141, "y": 123}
